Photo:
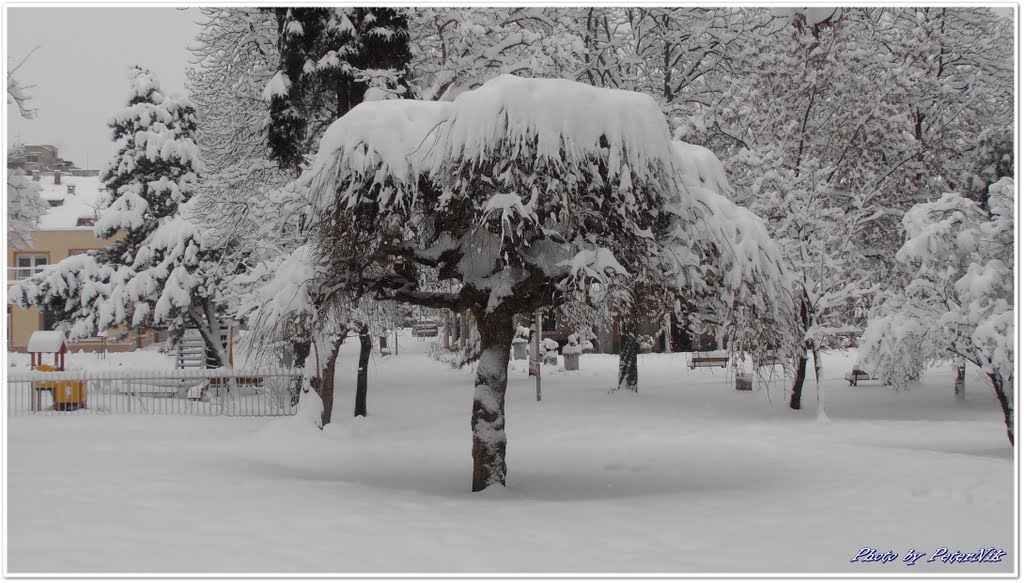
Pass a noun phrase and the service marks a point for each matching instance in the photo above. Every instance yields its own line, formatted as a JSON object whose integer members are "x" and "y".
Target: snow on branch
{"x": 382, "y": 142}
{"x": 564, "y": 122}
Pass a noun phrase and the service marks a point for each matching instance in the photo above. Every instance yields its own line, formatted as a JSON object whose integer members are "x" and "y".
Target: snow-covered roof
{"x": 80, "y": 205}
{"x": 47, "y": 341}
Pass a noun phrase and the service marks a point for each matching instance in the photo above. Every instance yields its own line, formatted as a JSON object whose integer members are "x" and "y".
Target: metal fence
{"x": 240, "y": 393}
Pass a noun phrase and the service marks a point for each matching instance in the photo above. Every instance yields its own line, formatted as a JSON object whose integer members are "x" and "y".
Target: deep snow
{"x": 689, "y": 475}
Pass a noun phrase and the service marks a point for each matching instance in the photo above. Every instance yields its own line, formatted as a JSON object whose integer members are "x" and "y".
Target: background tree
{"x": 24, "y": 204}
{"x": 330, "y": 60}
{"x": 455, "y": 50}
{"x": 958, "y": 297}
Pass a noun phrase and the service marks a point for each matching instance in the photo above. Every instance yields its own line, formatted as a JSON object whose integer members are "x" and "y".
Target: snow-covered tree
{"x": 154, "y": 170}
{"x": 458, "y": 49}
{"x": 24, "y": 205}
{"x": 958, "y": 299}
{"x": 330, "y": 60}
{"x": 17, "y": 92}
{"x": 234, "y": 57}
{"x": 157, "y": 268}
{"x": 746, "y": 297}
{"x": 813, "y": 126}
{"x": 245, "y": 205}
{"x": 518, "y": 192}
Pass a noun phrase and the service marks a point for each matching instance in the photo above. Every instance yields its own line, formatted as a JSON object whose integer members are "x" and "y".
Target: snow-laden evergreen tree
{"x": 154, "y": 170}
{"x": 157, "y": 269}
{"x": 330, "y": 60}
{"x": 957, "y": 299}
{"x": 518, "y": 192}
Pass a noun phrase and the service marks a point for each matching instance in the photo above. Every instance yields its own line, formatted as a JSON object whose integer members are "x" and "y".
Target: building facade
{"x": 65, "y": 230}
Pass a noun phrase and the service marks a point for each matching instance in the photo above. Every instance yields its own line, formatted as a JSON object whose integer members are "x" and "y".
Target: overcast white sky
{"x": 80, "y": 70}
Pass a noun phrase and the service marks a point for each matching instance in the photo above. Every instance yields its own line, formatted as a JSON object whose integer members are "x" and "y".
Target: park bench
{"x": 857, "y": 375}
{"x": 707, "y": 361}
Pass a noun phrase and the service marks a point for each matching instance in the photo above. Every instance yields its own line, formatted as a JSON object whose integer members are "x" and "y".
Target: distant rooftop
{"x": 70, "y": 209}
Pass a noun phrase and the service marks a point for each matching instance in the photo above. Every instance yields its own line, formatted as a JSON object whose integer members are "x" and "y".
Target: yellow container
{"x": 66, "y": 394}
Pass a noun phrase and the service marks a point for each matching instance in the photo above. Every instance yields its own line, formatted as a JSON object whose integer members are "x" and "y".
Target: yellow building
{"x": 65, "y": 230}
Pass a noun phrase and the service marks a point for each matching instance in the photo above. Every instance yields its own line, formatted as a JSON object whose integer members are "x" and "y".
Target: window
{"x": 30, "y": 263}
{"x": 85, "y": 222}
{"x": 56, "y": 201}
{"x": 32, "y": 158}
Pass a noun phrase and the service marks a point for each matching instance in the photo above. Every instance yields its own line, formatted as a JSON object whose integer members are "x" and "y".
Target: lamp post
{"x": 536, "y": 349}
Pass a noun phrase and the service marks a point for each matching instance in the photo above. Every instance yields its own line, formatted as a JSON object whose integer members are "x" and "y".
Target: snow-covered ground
{"x": 149, "y": 358}
{"x": 689, "y": 475}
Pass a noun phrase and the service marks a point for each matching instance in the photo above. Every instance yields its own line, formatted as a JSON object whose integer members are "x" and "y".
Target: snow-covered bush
{"x": 572, "y": 345}
{"x": 549, "y": 347}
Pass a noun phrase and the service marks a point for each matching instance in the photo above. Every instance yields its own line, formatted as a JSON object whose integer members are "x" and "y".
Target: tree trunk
{"x": 822, "y": 416}
{"x": 960, "y": 384}
{"x": 798, "y": 382}
{"x": 488, "y": 423}
{"x": 998, "y": 383}
{"x": 801, "y": 361}
{"x": 325, "y": 387}
{"x": 364, "y": 361}
{"x": 300, "y": 351}
{"x": 208, "y": 326}
{"x": 446, "y": 329}
{"x": 629, "y": 347}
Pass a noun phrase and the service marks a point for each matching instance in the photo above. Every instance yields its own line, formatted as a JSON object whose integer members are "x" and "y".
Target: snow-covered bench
{"x": 708, "y": 360}
{"x": 857, "y": 375}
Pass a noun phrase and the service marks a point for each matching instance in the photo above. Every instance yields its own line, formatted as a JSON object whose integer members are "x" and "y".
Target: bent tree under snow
{"x": 516, "y": 194}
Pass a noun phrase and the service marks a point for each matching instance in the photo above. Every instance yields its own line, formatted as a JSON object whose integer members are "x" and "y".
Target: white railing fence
{"x": 239, "y": 393}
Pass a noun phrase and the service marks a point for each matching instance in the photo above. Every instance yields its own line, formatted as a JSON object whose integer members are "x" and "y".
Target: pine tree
{"x": 331, "y": 59}
{"x": 159, "y": 271}
{"x": 155, "y": 169}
